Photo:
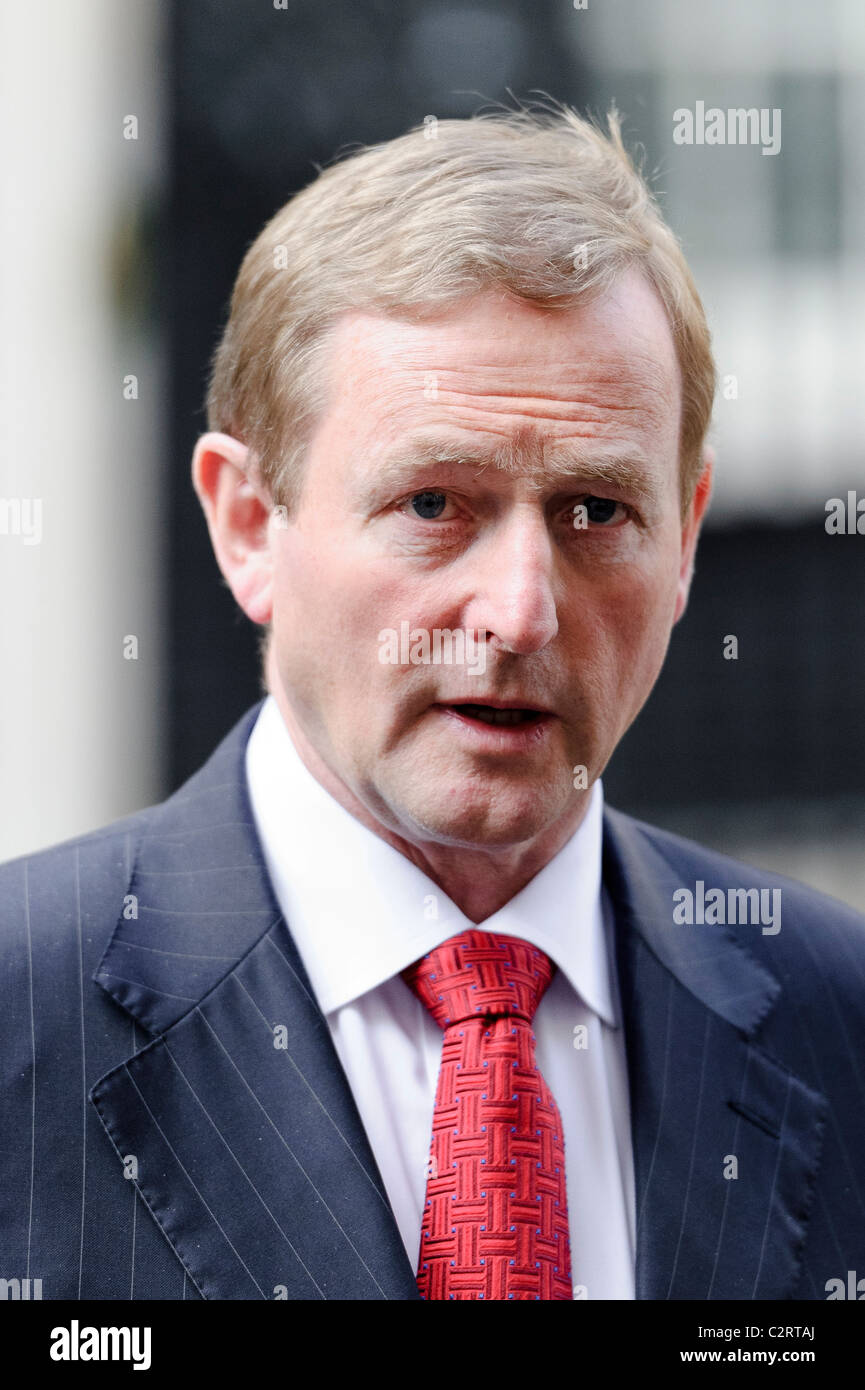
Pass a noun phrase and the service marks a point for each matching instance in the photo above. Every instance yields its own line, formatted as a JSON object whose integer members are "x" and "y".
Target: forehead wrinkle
{"x": 614, "y": 396}
{"x": 605, "y": 372}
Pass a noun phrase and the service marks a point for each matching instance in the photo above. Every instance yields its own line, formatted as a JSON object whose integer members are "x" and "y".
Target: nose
{"x": 514, "y": 583}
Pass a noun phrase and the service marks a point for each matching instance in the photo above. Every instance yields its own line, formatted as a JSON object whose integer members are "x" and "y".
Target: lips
{"x": 495, "y": 728}
{"x": 508, "y": 717}
{"x": 498, "y": 713}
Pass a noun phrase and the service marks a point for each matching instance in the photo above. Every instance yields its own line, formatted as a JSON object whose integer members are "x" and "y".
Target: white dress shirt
{"x": 359, "y": 912}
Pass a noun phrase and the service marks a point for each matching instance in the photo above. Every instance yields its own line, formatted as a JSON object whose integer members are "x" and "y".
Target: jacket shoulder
{"x": 685, "y": 854}
{"x": 812, "y": 936}
{"x": 103, "y": 844}
{"x": 75, "y": 886}
{"x": 70, "y": 896}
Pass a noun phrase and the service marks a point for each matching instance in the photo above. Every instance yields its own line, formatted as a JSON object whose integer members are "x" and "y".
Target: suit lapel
{"x": 236, "y": 1120}
{"x": 726, "y": 1140}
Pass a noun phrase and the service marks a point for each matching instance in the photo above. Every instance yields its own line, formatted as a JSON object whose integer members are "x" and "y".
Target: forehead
{"x": 605, "y": 366}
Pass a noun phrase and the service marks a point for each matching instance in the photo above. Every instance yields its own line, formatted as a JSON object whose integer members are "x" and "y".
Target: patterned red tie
{"x": 495, "y": 1221}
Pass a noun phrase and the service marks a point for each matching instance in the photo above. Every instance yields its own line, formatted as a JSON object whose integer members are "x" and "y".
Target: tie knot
{"x": 480, "y": 972}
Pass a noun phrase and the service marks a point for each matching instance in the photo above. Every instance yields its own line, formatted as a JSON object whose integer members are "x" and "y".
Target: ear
{"x": 238, "y": 508}
{"x": 691, "y": 530}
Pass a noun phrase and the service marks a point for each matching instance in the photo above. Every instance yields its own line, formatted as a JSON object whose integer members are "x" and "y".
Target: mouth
{"x": 499, "y": 716}
{"x": 497, "y": 726}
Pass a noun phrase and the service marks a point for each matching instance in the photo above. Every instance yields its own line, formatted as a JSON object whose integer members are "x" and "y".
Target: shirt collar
{"x": 360, "y": 911}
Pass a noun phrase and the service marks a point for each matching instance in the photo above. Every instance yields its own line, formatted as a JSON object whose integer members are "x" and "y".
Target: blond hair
{"x": 539, "y": 202}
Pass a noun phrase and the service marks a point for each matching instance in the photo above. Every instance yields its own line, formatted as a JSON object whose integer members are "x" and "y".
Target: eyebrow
{"x": 562, "y": 465}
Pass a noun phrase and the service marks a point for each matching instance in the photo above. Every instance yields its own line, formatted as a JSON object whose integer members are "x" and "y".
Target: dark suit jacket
{"x": 157, "y": 1144}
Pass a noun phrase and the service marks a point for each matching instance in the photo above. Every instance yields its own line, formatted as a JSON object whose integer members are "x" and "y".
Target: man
{"x": 383, "y": 1003}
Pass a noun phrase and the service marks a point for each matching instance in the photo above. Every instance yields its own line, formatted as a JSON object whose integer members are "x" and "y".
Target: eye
{"x": 606, "y": 512}
{"x": 428, "y": 505}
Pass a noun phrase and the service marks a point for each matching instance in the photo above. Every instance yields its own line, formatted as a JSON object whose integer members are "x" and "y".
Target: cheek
{"x": 330, "y": 607}
{"x": 624, "y": 630}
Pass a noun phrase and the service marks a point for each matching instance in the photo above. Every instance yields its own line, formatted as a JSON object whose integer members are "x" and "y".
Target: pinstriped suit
{"x": 154, "y": 1143}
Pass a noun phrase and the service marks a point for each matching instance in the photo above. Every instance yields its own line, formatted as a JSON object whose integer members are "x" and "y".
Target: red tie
{"x": 495, "y": 1222}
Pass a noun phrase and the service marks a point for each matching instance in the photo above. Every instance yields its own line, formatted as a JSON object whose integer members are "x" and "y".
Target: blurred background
{"x": 144, "y": 146}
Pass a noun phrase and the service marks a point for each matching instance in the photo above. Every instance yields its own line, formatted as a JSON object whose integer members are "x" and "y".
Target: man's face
{"x": 581, "y": 407}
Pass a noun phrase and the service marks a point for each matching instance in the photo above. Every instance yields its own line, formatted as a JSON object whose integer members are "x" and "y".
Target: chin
{"x": 491, "y": 823}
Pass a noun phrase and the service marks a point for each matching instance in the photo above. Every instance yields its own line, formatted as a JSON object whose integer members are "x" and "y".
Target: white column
{"x": 80, "y": 524}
